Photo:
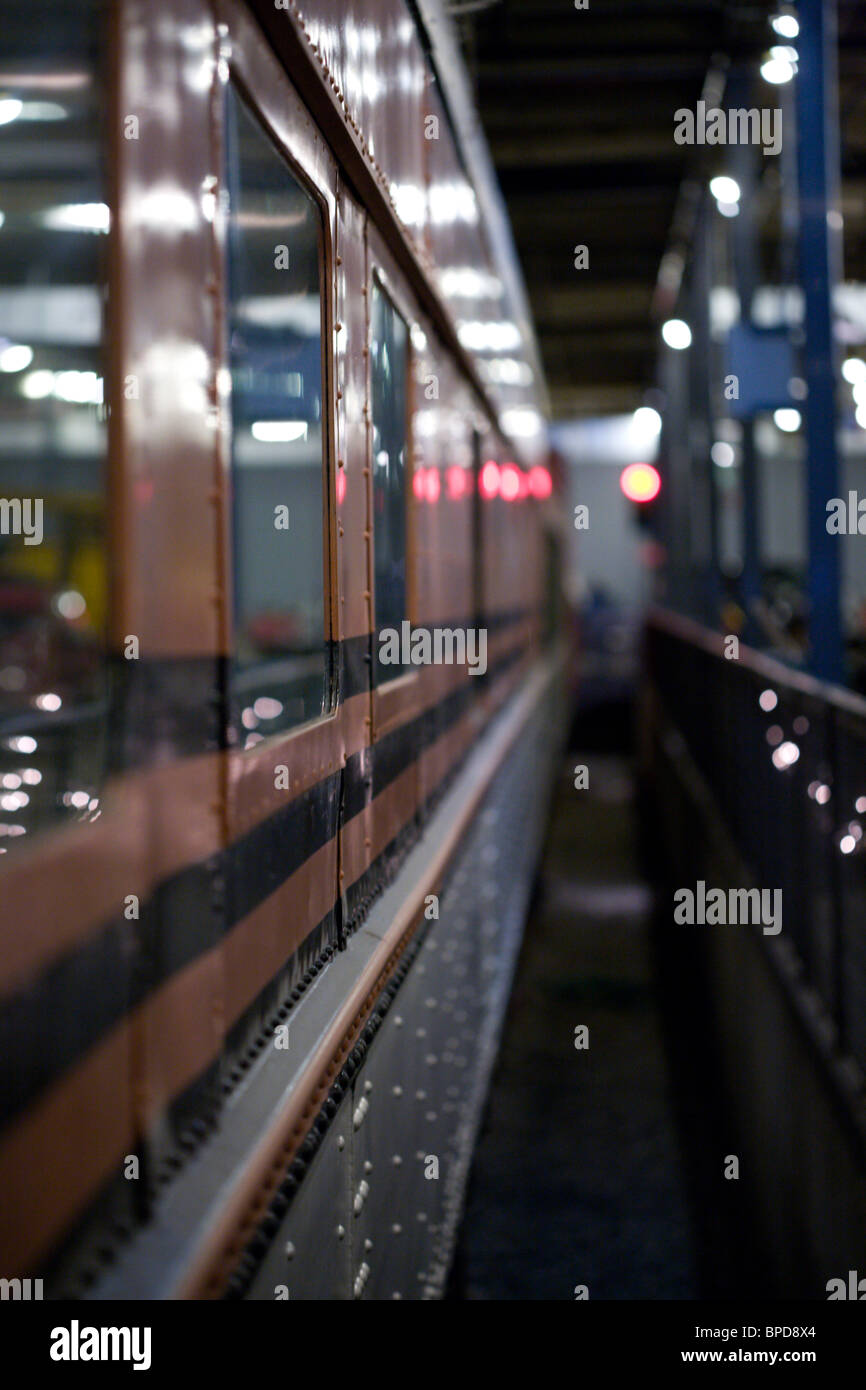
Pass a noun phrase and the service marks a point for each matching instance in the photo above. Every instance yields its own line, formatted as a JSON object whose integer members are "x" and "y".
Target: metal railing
{"x": 784, "y": 756}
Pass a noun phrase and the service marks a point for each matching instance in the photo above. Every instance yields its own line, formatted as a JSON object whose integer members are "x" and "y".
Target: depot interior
{"x": 700, "y": 311}
{"x": 701, "y": 314}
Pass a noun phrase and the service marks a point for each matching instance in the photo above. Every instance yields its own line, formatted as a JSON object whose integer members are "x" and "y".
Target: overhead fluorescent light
{"x": 278, "y": 431}
{"x": 78, "y": 217}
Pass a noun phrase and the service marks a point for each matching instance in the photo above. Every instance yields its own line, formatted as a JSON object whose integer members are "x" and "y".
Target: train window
{"x": 389, "y": 387}
{"x": 281, "y": 668}
{"x": 54, "y": 218}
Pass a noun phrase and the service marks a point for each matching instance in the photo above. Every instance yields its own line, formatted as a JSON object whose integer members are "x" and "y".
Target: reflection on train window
{"x": 281, "y": 667}
{"x": 53, "y": 225}
{"x": 389, "y": 350}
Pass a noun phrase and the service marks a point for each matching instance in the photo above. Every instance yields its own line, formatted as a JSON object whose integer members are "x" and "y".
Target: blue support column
{"x": 738, "y": 93}
{"x": 820, "y": 230}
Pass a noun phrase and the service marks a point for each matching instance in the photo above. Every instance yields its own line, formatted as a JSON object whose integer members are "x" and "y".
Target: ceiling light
{"x": 37, "y": 385}
{"x": 78, "y": 217}
{"x": 787, "y": 26}
{"x": 279, "y": 431}
{"x": 677, "y": 334}
{"x": 647, "y": 420}
{"x": 15, "y": 357}
{"x": 10, "y": 108}
{"x": 777, "y": 71}
{"x": 724, "y": 189}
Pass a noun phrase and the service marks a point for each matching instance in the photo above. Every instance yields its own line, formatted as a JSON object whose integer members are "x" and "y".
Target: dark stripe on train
{"x": 56, "y": 1019}
{"x": 159, "y": 709}
{"x": 353, "y": 664}
{"x": 196, "y": 1109}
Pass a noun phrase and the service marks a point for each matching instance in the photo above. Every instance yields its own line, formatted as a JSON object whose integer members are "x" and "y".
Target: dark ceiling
{"x": 578, "y": 110}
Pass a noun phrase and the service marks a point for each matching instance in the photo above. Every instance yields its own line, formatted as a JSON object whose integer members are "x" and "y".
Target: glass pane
{"x": 53, "y": 247}
{"x": 389, "y": 347}
{"x": 281, "y": 667}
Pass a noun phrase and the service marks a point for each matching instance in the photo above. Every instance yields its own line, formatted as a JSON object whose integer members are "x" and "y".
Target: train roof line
{"x": 449, "y": 69}
{"x": 304, "y": 61}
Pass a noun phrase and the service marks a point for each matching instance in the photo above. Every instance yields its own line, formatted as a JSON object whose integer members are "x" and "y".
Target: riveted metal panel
{"x": 310, "y": 1256}
{"x": 372, "y": 58}
{"x": 389, "y": 1146}
{"x": 418, "y": 1098}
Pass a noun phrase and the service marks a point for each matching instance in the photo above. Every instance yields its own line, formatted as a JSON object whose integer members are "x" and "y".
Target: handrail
{"x": 788, "y": 779}
{"x": 767, "y": 667}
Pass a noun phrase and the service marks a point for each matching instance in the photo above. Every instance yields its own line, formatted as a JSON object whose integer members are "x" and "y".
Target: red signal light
{"x": 540, "y": 482}
{"x": 457, "y": 482}
{"x": 509, "y": 482}
{"x": 341, "y": 486}
{"x": 432, "y": 485}
{"x": 488, "y": 482}
{"x": 418, "y": 484}
{"x": 640, "y": 482}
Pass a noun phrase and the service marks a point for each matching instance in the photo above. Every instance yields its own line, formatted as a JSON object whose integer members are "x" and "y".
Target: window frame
{"x": 312, "y": 750}
{"x": 318, "y": 190}
{"x": 396, "y": 700}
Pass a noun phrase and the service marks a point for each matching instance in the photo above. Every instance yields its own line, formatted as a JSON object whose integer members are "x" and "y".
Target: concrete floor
{"x": 578, "y": 1178}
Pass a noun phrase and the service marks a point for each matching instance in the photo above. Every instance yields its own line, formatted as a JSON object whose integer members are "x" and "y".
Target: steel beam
{"x": 820, "y": 247}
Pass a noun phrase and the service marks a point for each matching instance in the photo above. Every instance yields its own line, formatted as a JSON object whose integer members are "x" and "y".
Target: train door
{"x": 354, "y": 545}
{"x": 287, "y": 713}
{"x": 398, "y": 685}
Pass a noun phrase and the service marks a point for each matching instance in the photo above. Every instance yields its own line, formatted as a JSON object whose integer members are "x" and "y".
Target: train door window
{"x": 281, "y": 668}
{"x": 389, "y": 395}
{"x": 53, "y": 446}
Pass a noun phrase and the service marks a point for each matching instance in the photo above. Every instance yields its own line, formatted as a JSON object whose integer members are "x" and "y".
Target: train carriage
{"x": 269, "y": 378}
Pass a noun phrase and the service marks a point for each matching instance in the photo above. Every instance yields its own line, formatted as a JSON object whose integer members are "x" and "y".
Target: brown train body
{"x": 155, "y": 941}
